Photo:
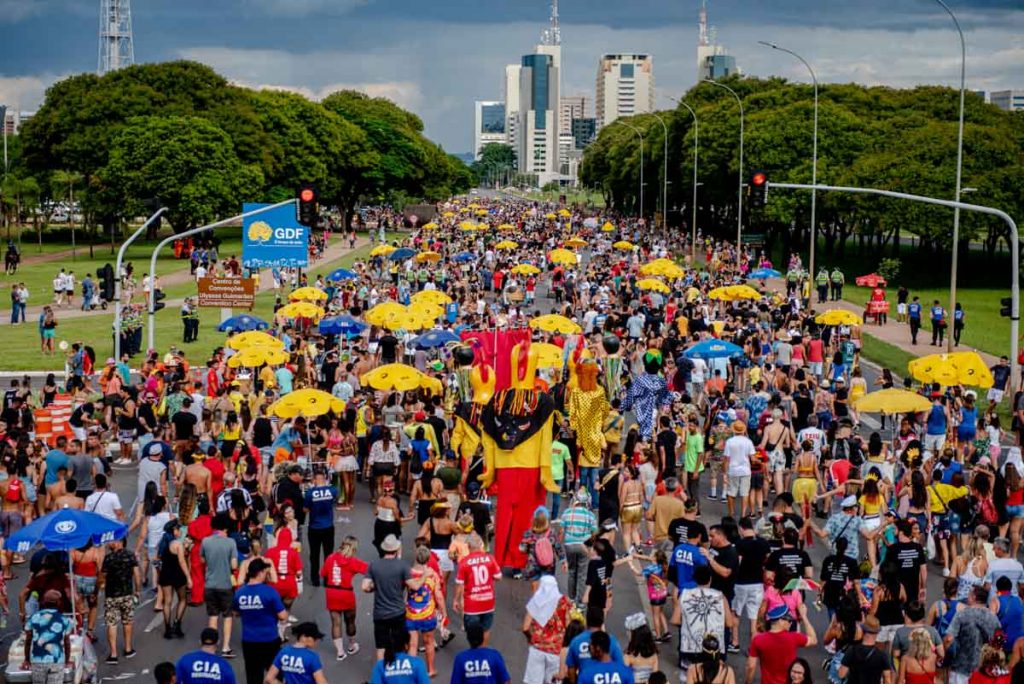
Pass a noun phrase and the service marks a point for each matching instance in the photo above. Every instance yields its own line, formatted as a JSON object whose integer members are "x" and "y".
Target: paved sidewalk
{"x": 336, "y": 251}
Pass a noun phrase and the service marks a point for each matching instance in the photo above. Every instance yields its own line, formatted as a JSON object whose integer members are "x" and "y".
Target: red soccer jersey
{"x": 476, "y": 575}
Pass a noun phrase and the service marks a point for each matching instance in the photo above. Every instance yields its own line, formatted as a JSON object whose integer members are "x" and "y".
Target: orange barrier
{"x": 44, "y": 425}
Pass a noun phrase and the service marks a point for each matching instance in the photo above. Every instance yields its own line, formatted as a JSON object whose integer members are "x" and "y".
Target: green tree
{"x": 188, "y": 163}
{"x": 495, "y": 159}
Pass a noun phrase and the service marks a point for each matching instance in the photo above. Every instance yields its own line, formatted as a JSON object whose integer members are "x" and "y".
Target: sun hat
{"x": 390, "y": 544}
{"x": 849, "y": 502}
{"x": 739, "y": 427}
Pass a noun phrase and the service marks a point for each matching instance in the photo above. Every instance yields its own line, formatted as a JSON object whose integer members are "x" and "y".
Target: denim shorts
{"x": 1015, "y": 511}
{"x": 482, "y": 620}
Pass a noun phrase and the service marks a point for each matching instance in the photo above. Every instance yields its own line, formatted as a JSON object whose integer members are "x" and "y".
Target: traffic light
{"x": 158, "y": 297}
{"x": 1007, "y": 309}
{"x": 758, "y": 190}
{"x": 105, "y": 275}
{"x": 308, "y": 210}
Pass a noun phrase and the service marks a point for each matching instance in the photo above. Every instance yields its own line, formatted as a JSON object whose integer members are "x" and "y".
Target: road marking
{"x": 870, "y": 422}
{"x": 154, "y": 623}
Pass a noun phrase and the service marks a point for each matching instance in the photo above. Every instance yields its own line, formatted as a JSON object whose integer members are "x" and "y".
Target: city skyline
{"x": 382, "y": 45}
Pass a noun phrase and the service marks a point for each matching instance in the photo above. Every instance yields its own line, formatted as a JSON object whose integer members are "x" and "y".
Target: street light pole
{"x": 664, "y": 174}
{"x": 959, "y": 172}
{"x": 739, "y": 210}
{"x": 814, "y": 159}
{"x": 693, "y": 224}
{"x": 641, "y": 136}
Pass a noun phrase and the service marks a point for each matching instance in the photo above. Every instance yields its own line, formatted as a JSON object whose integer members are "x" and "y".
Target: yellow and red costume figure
{"x": 588, "y": 408}
{"x": 516, "y": 434}
{"x": 466, "y": 419}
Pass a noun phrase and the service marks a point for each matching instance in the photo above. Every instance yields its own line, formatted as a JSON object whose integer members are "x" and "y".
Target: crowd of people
{"x": 233, "y": 508}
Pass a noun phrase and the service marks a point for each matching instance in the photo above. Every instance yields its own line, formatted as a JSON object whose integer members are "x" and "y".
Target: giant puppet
{"x": 475, "y": 384}
{"x": 516, "y": 435}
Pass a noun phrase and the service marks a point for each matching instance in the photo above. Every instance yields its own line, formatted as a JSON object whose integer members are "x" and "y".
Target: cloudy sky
{"x": 437, "y": 57}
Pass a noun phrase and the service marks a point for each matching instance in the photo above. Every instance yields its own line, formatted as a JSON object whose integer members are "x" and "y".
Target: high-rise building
{"x": 117, "y": 48}
{"x": 625, "y": 86}
{"x": 584, "y": 130}
{"x": 1008, "y": 100}
{"x": 488, "y": 125}
{"x": 510, "y": 93}
{"x": 712, "y": 60}
{"x": 13, "y": 119}
{"x": 537, "y": 128}
{"x": 571, "y": 107}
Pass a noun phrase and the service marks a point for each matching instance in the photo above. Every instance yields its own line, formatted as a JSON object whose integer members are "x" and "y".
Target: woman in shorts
{"x": 338, "y": 573}
{"x": 85, "y": 564}
{"x": 424, "y": 607}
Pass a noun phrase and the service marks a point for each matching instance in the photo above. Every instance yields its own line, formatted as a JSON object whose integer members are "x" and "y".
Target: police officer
{"x": 205, "y": 666}
{"x": 822, "y": 283}
{"x": 837, "y": 284}
{"x": 938, "y": 316}
{"x": 792, "y": 280}
{"x": 914, "y": 318}
{"x": 320, "y": 500}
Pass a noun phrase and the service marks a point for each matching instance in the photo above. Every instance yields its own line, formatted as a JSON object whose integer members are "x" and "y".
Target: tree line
{"x": 179, "y": 133}
{"x": 903, "y": 140}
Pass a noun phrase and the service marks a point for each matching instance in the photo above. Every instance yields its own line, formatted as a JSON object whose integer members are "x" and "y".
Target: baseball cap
{"x": 209, "y": 636}
{"x": 779, "y": 612}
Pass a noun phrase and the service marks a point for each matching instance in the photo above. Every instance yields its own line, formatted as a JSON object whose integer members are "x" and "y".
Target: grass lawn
{"x": 39, "y": 277}
{"x": 22, "y": 342}
{"x": 984, "y": 328}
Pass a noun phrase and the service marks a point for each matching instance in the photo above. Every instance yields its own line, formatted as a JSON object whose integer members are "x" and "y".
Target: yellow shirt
{"x": 870, "y": 509}
{"x": 755, "y": 375}
{"x": 942, "y": 494}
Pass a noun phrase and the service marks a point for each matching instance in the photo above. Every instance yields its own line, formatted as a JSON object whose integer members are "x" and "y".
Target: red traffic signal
{"x": 758, "y": 188}
{"x": 307, "y": 195}
{"x": 759, "y": 178}
{"x": 308, "y": 209}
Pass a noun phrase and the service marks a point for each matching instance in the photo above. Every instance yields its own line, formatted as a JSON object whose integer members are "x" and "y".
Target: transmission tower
{"x": 116, "y": 47}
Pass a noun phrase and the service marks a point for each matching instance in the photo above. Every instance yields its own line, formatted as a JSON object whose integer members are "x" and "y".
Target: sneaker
{"x": 111, "y": 660}
{"x": 732, "y": 648}
{"x": 341, "y": 656}
{"x": 353, "y": 648}
{"x": 945, "y": 572}
{"x": 712, "y": 496}
{"x": 292, "y": 620}
{"x": 123, "y": 462}
{"x": 129, "y": 654}
{"x": 227, "y": 653}
{"x": 448, "y": 638}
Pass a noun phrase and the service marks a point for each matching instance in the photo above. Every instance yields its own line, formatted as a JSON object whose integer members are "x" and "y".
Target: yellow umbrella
{"x": 257, "y": 356}
{"x": 506, "y": 226}
{"x": 652, "y": 267}
{"x": 424, "y": 257}
{"x": 507, "y": 244}
{"x": 692, "y": 294}
{"x": 550, "y": 217}
{"x": 429, "y": 226}
{"x": 623, "y": 244}
{"x": 525, "y": 269}
{"x": 393, "y": 376}
{"x": 608, "y": 227}
{"x": 431, "y": 297}
{"x": 548, "y": 355}
{"x": 892, "y": 401}
{"x": 380, "y": 313}
{"x": 562, "y": 256}
{"x": 564, "y": 213}
{"x": 481, "y": 212}
{"x": 427, "y": 309}
{"x": 731, "y": 293}
{"x": 838, "y": 317}
{"x": 958, "y": 368}
{"x": 254, "y": 338}
{"x": 555, "y": 323}
{"x": 301, "y": 310}
{"x": 469, "y": 226}
{"x": 448, "y": 214}
{"x": 653, "y": 284}
{"x": 473, "y": 205}
{"x": 432, "y": 385}
{"x": 307, "y": 403}
{"x": 409, "y": 320}
{"x": 382, "y": 250}
{"x": 308, "y": 294}
{"x": 576, "y": 242}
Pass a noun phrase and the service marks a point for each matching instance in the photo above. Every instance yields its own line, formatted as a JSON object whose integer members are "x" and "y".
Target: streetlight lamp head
{"x": 767, "y": 44}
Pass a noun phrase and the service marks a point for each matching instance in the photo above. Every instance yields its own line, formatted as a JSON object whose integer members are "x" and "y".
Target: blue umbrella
{"x": 435, "y": 338}
{"x": 402, "y": 254}
{"x": 341, "y": 325}
{"x": 242, "y": 323}
{"x": 763, "y": 273}
{"x": 341, "y": 274}
{"x": 713, "y": 349}
{"x": 464, "y": 257}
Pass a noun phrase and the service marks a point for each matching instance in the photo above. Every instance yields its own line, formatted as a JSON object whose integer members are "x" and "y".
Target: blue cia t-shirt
{"x": 404, "y": 669}
{"x": 297, "y": 665}
{"x": 578, "y": 655}
{"x": 200, "y": 667}
{"x": 479, "y": 666}
{"x": 320, "y": 504}
{"x": 685, "y": 558}
{"x": 259, "y": 605}
{"x": 606, "y": 673}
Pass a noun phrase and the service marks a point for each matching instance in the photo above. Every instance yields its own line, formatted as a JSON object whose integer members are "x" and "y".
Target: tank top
{"x": 385, "y": 515}
{"x": 871, "y": 509}
{"x": 890, "y": 612}
{"x": 920, "y": 677}
{"x": 438, "y": 541}
{"x": 155, "y": 528}
{"x": 805, "y": 470}
{"x": 86, "y": 568}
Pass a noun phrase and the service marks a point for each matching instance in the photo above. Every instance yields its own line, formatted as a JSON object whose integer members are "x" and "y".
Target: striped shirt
{"x": 578, "y": 525}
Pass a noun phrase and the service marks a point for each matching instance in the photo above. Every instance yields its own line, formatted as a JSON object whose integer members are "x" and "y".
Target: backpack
{"x": 13, "y": 490}
{"x": 987, "y": 512}
{"x": 544, "y": 550}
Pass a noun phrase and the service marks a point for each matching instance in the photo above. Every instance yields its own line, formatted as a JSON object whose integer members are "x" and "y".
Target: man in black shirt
{"x": 184, "y": 423}
{"x": 790, "y": 557}
{"x": 679, "y": 529}
{"x": 724, "y": 561}
{"x": 289, "y": 490}
{"x": 836, "y": 570}
{"x": 387, "y": 348}
{"x": 665, "y": 443}
{"x": 749, "y": 579}
{"x": 912, "y": 560}
{"x": 865, "y": 663}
